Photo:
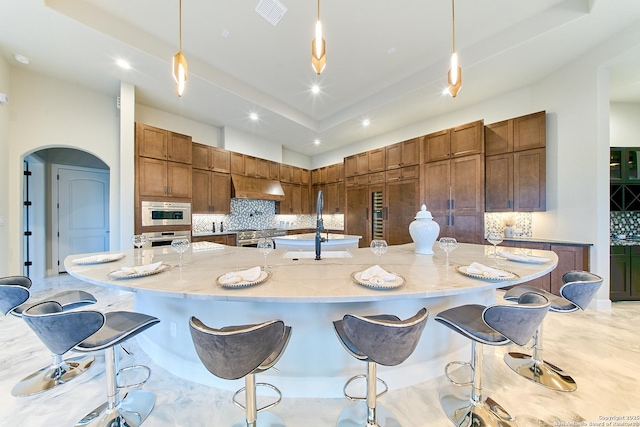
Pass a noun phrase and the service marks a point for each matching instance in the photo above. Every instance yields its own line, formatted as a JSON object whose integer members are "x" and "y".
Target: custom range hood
{"x": 246, "y": 187}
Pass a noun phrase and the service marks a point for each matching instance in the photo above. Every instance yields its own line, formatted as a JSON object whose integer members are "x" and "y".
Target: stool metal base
{"x": 540, "y": 372}
{"x": 131, "y": 412}
{"x": 355, "y": 415}
{"x": 464, "y": 413}
{"x": 264, "y": 419}
{"x": 52, "y": 376}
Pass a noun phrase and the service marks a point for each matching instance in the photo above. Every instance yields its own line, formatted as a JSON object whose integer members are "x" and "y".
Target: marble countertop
{"x": 541, "y": 240}
{"x": 312, "y": 237}
{"x": 307, "y": 280}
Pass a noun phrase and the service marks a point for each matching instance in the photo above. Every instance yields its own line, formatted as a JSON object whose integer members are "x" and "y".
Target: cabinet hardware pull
{"x": 510, "y": 204}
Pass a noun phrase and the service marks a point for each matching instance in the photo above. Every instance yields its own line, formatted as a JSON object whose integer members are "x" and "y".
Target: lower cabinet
{"x": 625, "y": 273}
{"x": 570, "y": 257}
{"x": 223, "y": 239}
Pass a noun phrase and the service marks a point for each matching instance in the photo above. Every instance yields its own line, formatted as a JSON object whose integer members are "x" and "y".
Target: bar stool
{"x": 88, "y": 331}
{"x": 578, "y": 290}
{"x": 233, "y": 352}
{"x": 492, "y": 325}
{"x": 14, "y": 299}
{"x": 381, "y": 339}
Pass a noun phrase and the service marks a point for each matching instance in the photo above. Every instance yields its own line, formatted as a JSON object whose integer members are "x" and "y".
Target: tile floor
{"x": 600, "y": 349}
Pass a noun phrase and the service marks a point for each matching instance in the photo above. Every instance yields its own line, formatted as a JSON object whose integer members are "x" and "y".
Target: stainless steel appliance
{"x": 164, "y": 238}
{"x": 249, "y": 238}
{"x": 165, "y": 213}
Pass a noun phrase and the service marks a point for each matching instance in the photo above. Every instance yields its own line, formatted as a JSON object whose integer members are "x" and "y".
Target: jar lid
{"x": 423, "y": 213}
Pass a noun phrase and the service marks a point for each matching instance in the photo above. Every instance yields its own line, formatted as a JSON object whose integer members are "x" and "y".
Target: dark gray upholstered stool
{"x": 492, "y": 325}
{"x": 14, "y": 296}
{"x": 576, "y": 294}
{"x": 89, "y": 331}
{"x": 234, "y": 352}
{"x": 382, "y": 339}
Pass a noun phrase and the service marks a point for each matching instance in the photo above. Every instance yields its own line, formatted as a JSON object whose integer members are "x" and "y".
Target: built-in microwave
{"x": 165, "y": 213}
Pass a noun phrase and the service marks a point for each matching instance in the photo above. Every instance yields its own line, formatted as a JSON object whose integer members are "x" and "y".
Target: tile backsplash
{"x": 624, "y": 223}
{"x": 522, "y": 223}
{"x": 258, "y": 215}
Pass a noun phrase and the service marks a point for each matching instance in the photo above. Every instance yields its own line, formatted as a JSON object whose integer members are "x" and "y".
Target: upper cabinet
{"x": 459, "y": 141}
{"x": 515, "y": 164}
{"x": 624, "y": 176}
{"x": 358, "y": 164}
{"x": 162, "y": 144}
{"x": 210, "y": 158}
{"x": 376, "y": 160}
{"x": 403, "y": 154}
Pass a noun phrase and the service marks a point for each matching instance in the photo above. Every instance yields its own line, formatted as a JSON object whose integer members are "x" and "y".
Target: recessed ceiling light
{"x": 315, "y": 89}
{"x": 123, "y": 64}
{"x": 253, "y": 116}
{"x": 391, "y": 51}
{"x": 225, "y": 33}
{"x": 366, "y": 122}
{"x": 316, "y": 141}
{"x": 21, "y": 59}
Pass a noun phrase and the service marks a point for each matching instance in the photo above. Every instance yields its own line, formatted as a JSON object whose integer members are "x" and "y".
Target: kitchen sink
{"x": 312, "y": 254}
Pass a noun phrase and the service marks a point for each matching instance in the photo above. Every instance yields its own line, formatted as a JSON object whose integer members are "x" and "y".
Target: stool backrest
{"x": 580, "y": 287}
{"x": 386, "y": 342}
{"x": 14, "y": 290}
{"x": 233, "y": 352}
{"x": 518, "y": 322}
{"x": 61, "y": 331}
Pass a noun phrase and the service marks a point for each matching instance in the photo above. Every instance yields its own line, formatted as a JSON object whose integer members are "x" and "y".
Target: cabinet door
{"x": 305, "y": 199}
{"x": 529, "y": 131}
{"x": 220, "y": 193}
{"x": 262, "y": 168}
{"x": 393, "y": 156}
{"x": 250, "y": 166}
{"x": 569, "y": 258}
{"x": 200, "y": 200}
{"x": 437, "y": 146}
{"x": 498, "y": 138}
{"x": 179, "y": 180}
{"x": 529, "y": 181}
{"x": 362, "y": 163}
{"x": 179, "y": 148}
{"x": 296, "y": 175}
{"x": 220, "y": 160}
{"x": 151, "y": 142}
{"x": 285, "y": 205}
{"x": 200, "y": 156}
{"x": 467, "y": 139}
{"x": 437, "y": 187}
{"x": 499, "y": 183}
{"x": 305, "y": 177}
{"x": 620, "y": 274}
{"x": 286, "y": 174}
{"x": 466, "y": 228}
{"x": 402, "y": 203}
{"x": 357, "y": 214}
{"x": 467, "y": 185}
{"x": 376, "y": 160}
{"x": 296, "y": 202}
{"x": 333, "y": 173}
{"x": 274, "y": 170}
{"x": 237, "y": 163}
{"x": 410, "y": 152}
{"x": 315, "y": 177}
{"x": 152, "y": 177}
{"x": 350, "y": 166}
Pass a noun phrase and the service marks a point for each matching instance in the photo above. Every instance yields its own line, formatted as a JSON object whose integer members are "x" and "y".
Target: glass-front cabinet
{"x": 624, "y": 178}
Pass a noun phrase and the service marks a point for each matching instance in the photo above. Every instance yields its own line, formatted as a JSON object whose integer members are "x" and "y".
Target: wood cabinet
{"x": 624, "y": 177}
{"x": 402, "y": 154}
{"x": 210, "y": 158}
{"x": 400, "y": 174}
{"x": 570, "y": 257}
{"x": 625, "y": 273}
{"x": 515, "y": 177}
{"x": 454, "y": 194}
{"x": 160, "y": 178}
{"x": 376, "y": 160}
{"x": 356, "y": 218}
{"x": 237, "y": 163}
{"x": 332, "y": 195}
{"x": 459, "y": 141}
{"x": 274, "y": 170}
{"x": 162, "y": 144}
{"x": 358, "y": 164}
{"x": 212, "y": 192}
{"x": 245, "y": 165}
{"x": 296, "y": 200}
{"x": 223, "y": 239}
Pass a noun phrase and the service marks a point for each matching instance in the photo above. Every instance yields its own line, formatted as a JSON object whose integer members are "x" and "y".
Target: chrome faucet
{"x": 319, "y": 225}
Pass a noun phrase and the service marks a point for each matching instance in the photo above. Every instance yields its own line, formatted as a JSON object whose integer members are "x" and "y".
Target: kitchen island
{"x": 307, "y": 241}
{"x": 308, "y": 295}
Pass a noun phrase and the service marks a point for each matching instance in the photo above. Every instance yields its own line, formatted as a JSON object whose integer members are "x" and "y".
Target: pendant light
{"x": 454, "y": 76}
{"x": 180, "y": 67}
{"x": 318, "y": 47}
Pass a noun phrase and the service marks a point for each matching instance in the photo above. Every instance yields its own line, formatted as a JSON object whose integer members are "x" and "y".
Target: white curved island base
{"x": 308, "y": 295}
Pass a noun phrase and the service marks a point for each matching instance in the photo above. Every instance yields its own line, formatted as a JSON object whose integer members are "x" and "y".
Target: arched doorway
{"x": 65, "y": 209}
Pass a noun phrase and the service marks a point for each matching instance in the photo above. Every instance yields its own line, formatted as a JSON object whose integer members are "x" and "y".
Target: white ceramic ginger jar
{"x": 424, "y": 231}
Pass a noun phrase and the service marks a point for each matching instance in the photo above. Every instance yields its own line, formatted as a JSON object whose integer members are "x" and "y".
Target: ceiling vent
{"x": 271, "y": 10}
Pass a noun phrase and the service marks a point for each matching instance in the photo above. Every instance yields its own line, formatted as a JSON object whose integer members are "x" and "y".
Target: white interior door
{"x": 83, "y": 211}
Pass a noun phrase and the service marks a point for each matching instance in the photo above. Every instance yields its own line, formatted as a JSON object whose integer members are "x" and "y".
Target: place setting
{"x": 377, "y": 277}
{"x": 98, "y": 259}
{"x": 481, "y": 271}
{"x": 134, "y": 272}
{"x": 244, "y": 278}
{"x": 525, "y": 258}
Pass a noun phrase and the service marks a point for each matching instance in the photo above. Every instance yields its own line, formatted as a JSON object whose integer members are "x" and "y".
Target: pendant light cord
{"x": 453, "y": 25}
{"x": 180, "y": 25}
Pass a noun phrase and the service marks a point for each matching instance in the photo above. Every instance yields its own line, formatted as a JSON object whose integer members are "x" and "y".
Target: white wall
{"x": 625, "y": 125}
{"x": 199, "y": 132}
{"x": 121, "y": 191}
{"x": 47, "y": 112}
{"x": 7, "y": 254}
{"x": 242, "y": 142}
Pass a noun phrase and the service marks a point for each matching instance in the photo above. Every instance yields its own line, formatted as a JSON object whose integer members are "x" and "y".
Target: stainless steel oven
{"x": 164, "y": 238}
{"x": 249, "y": 238}
{"x": 165, "y": 213}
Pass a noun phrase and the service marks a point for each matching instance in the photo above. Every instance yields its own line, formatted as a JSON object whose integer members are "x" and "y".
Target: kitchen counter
{"x": 307, "y": 241}
{"x": 217, "y": 233}
{"x": 548, "y": 241}
{"x": 308, "y": 295}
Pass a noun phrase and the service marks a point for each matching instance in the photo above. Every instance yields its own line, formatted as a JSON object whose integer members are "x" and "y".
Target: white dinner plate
{"x": 463, "y": 269}
{"x": 264, "y": 276}
{"x": 357, "y": 277}
{"x": 528, "y": 259}
{"x": 119, "y": 274}
{"x": 92, "y": 259}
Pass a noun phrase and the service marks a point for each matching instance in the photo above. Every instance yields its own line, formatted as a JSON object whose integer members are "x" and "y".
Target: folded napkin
{"x": 483, "y": 270}
{"x": 249, "y": 275}
{"x": 97, "y": 258}
{"x": 523, "y": 258}
{"x": 377, "y": 275}
{"x": 141, "y": 268}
